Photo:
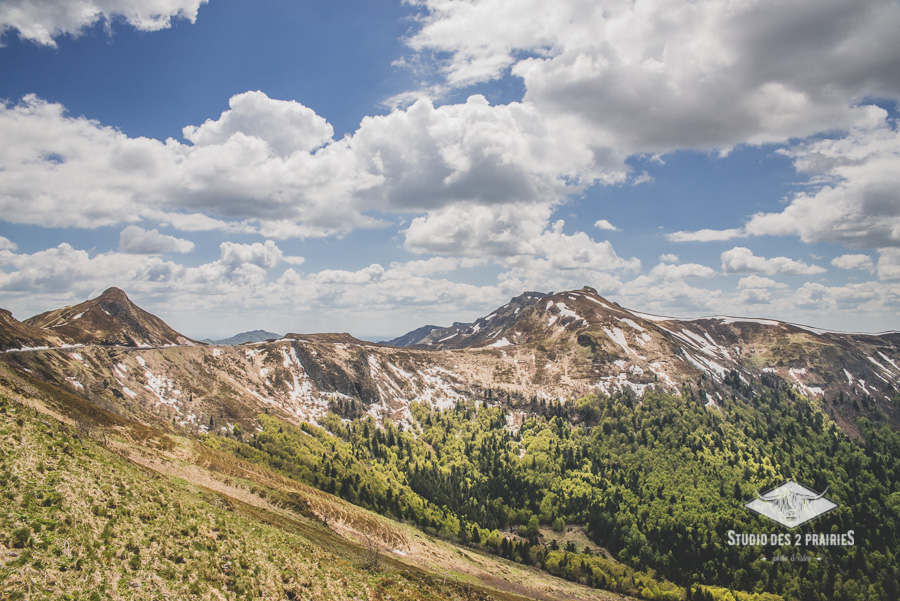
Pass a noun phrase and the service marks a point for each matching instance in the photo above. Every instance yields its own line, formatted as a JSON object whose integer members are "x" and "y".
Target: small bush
{"x": 52, "y": 499}
{"x": 21, "y": 537}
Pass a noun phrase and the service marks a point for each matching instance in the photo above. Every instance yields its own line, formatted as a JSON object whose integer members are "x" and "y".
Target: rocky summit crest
{"x": 109, "y": 319}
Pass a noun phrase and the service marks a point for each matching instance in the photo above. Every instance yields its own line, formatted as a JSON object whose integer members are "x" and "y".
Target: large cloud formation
{"x": 485, "y": 176}
{"x": 742, "y": 260}
{"x": 851, "y": 198}
{"x": 856, "y": 197}
{"x": 478, "y": 184}
{"x": 659, "y": 75}
{"x": 267, "y": 160}
{"x": 41, "y": 21}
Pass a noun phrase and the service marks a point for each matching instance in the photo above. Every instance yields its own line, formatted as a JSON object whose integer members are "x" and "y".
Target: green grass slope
{"x": 99, "y": 507}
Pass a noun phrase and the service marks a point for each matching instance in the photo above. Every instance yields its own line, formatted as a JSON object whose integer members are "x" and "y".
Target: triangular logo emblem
{"x": 791, "y": 504}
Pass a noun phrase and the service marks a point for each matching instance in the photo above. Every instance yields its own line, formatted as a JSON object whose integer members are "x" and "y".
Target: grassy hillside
{"x": 97, "y": 507}
{"x": 80, "y": 522}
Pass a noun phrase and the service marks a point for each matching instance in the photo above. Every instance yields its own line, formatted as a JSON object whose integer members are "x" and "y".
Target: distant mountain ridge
{"x": 538, "y": 345}
{"x": 15, "y": 334}
{"x": 251, "y": 336}
{"x": 477, "y": 333}
{"x": 595, "y": 339}
{"x": 414, "y": 337}
{"x": 111, "y": 319}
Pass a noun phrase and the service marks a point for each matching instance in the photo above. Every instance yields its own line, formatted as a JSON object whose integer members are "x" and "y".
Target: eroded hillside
{"x": 537, "y": 347}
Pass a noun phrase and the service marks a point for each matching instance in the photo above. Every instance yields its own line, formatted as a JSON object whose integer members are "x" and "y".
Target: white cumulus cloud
{"x": 136, "y": 240}
{"x": 477, "y": 230}
{"x": 863, "y": 262}
{"x": 605, "y": 225}
{"x": 669, "y": 271}
{"x": 656, "y": 75}
{"x": 42, "y": 21}
{"x": 889, "y": 264}
{"x": 265, "y": 255}
{"x": 742, "y": 260}
{"x": 64, "y": 270}
{"x": 286, "y": 126}
{"x": 752, "y": 282}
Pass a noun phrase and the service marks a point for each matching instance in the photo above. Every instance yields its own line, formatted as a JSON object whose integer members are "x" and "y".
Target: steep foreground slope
{"x": 657, "y": 483}
{"x": 101, "y": 507}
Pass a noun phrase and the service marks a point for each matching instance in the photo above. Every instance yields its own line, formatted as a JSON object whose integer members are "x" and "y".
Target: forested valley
{"x": 653, "y": 484}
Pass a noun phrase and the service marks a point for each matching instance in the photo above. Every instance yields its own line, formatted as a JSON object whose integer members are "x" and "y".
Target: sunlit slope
{"x": 100, "y": 507}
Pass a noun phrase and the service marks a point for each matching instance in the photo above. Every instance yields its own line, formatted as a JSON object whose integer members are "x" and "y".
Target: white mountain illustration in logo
{"x": 791, "y": 504}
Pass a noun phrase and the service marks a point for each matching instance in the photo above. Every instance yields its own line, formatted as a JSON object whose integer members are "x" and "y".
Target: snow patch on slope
{"x": 617, "y": 336}
{"x": 162, "y": 388}
{"x": 632, "y": 323}
{"x": 889, "y": 360}
{"x": 602, "y": 304}
{"x": 809, "y": 391}
{"x": 437, "y": 391}
{"x": 565, "y": 311}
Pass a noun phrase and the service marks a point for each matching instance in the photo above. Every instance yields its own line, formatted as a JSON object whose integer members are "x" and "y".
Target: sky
{"x": 372, "y": 167}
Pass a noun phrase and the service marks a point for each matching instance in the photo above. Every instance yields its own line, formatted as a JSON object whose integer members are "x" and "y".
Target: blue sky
{"x": 374, "y": 166}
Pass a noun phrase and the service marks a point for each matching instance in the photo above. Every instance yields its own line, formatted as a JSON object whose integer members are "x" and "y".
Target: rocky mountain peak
{"x": 110, "y": 319}
{"x": 114, "y": 295}
{"x": 527, "y": 318}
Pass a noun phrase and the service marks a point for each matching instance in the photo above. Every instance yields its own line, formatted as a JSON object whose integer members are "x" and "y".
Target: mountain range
{"x": 244, "y": 337}
{"x": 560, "y": 447}
{"x": 546, "y": 346}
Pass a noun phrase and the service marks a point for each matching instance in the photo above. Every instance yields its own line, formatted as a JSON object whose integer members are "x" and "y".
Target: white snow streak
{"x": 631, "y": 323}
{"x": 617, "y": 336}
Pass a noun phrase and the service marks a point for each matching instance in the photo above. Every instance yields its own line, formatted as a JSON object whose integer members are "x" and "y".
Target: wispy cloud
{"x": 707, "y": 235}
